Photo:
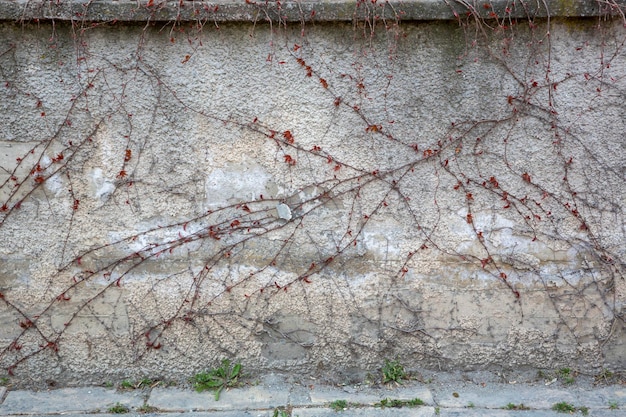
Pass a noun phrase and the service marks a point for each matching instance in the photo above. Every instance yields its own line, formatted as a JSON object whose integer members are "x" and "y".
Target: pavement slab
{"x": 247, "y": 398}
{"x": 365, "y": 412}
{"x": 498, "y": 396}
{"x": 67, "y": 400}
{"x": 236, "y": 413}
{"x": 602, "y": 397}
{"x": 369, "y": 396}
{"x": 464, "y": 412}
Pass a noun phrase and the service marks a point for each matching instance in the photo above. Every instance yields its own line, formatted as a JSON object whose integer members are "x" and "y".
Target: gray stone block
{"x": 67, "y": 400}
{"x": 257, "y": 397}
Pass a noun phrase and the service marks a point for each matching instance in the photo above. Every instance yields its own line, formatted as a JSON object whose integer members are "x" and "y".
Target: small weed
{"x": 605, "y": 376}
{"x": 605, "y": 373}
{"x": 393, "y": 371}
{"x": 119, "y": 409}
{"x": 566, "y": 376}
{"x": 217, "y": 379}
{"x": 584, "y": 410}
{"x": 511, "y": 406}
{"x": 388, "y": 402}
{"x": 127, "y": 384}
{"x": 280, "y": 413}
{"x": 470, "y": 405}
{"x": 437, "y": 411}
{"x": 339, "y": 405}
{"x": 147, "y": 409}
{"x": 613, "y": 405}
{"x": 564, "y": 407}
{"x": 107, "y": 384}
{"x": 4, "y": 381}
{"x": 145, "y": 383}
{"x": 393, "y": 403}
{"x": 569, "y": 380}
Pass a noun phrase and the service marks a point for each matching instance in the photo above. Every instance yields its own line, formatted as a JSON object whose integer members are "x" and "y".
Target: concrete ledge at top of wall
{"x": 297, "y": 10}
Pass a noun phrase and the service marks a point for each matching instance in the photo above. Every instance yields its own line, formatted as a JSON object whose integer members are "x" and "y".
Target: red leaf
{"x": 289, "y": 160}
{"x": 288, "y": 136}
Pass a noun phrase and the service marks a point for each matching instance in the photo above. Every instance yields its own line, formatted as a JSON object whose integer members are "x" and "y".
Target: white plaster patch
{"x": 103, "y": 187}
{"x": 234, "y": 184}
{"x": 379, "y": 238}
{"x": 158, "y": 235}
{"x": 54, "y": 184}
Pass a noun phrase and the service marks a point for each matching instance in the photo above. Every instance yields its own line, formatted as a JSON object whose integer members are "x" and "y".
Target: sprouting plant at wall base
{"x": 393, "y": 371}
{"x": 567, "y": 376}
{"x": 225, "y": 376}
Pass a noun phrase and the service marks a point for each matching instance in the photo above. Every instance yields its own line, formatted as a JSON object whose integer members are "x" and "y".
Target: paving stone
{"x": 495, "y": 397}
{"x": 464, "y": 412}
{"x": 299, "y": 396}
{"x": 370, "y": 396}
{"x": 67, "y": 400}
{"x": 364, "y": 412}
{"x": 248, "y": 398}
{"x": 602, "y": 397}
{"x": 236, "y": 413}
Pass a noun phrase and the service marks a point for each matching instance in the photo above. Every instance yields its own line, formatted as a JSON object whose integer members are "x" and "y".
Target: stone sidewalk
{"x": 274, "y": 396}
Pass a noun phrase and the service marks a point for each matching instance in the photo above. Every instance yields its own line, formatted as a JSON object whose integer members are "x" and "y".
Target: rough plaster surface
{"x": 204, "y": 114}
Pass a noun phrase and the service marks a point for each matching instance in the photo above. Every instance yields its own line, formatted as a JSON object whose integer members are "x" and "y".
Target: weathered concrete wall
{"x": 313, "y": 197}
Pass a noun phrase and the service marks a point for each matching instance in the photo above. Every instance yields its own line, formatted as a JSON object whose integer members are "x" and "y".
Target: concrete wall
{"x": 311, "y": 197}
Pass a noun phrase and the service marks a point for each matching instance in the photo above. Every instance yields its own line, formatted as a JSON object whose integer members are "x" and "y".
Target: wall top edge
{"x": 299, "y": 10}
